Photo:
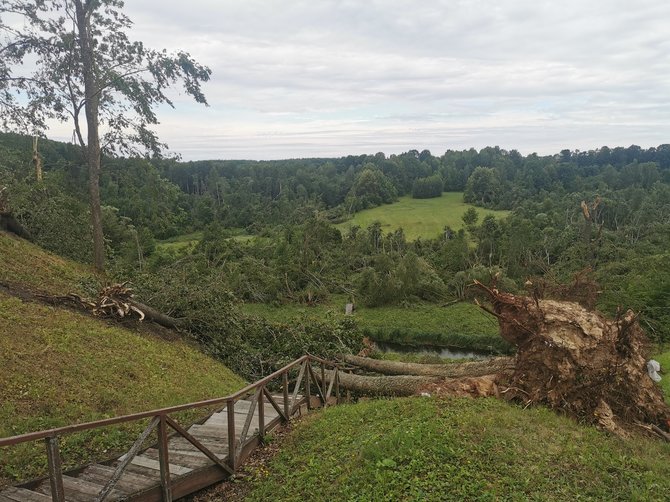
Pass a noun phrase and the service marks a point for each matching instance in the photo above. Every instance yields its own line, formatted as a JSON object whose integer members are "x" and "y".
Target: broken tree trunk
{"x": 576, "y": 361}
{"x": 453, "y": 370}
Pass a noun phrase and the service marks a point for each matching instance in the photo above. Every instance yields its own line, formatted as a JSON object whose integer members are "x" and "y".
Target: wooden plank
{"x": 126, "y": 459}
{"x": 189, "y": 461}
{"x": 202, "y": 449}
{"x": 127, "y": 483}
{"x": 16, "y": 494}
{"x": 144, "y": 471}
{"x": 79, "y": 490}
{"x": 5, "y": 499}
{"x": 216, "y": 446}
{"x": 143, "y": 461}
{"x": 138, "y": 481}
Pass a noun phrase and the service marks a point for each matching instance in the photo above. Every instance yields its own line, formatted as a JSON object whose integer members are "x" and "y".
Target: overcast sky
{"x": 332, "y": 78}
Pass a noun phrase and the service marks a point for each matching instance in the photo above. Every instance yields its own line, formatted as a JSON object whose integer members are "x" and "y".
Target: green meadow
{"x": 425, "y": 218}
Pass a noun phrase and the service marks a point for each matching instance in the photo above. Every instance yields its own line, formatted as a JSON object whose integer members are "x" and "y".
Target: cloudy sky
{"x": 330, "y": 78}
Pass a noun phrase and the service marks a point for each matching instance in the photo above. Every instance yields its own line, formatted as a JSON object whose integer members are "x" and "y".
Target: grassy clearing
{"x": 424, "y": 218}
{"x": 460, "y": 325}
{"x": 25, "y": 265}
{"x": 58, "y": 367}
{"x": 458, "y": 449}
{"x": 180, "y": 243}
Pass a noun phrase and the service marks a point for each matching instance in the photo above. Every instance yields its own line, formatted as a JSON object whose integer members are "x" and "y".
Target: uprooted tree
{"x": 569, "y": 358}
{"x": 574, "y": 360}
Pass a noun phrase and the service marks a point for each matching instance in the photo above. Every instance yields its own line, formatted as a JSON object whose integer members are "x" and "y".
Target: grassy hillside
{"x": 459, "y": 449}
{"x": 27, "y": 266}
{"x": 419, "y": 217}
{"x": 59, "y": 367}
{"x": 460, "y": 325}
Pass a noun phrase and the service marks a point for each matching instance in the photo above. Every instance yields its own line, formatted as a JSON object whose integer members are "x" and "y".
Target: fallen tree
{"x": 404, "y": 385}
{"x": 116, "y": 301}
{"x": 575, "y": 361}
{"x": 453, "y": 370}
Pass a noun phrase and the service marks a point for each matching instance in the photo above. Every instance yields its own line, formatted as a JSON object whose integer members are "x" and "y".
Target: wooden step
{"x": 129, "y": 482}
{"x": 190, "y": 461}
{"x": 216, "y": 445}
{"x": 80, "y": 490}
{"x": 16, "y": 494}
{"x": 175, "y": 470}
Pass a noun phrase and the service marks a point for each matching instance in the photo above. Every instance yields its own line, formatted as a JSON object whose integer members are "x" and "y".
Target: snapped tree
{"x": 72, "y": 61}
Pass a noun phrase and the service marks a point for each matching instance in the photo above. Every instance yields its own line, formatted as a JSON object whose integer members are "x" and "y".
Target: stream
{"x": 431, "y": 350}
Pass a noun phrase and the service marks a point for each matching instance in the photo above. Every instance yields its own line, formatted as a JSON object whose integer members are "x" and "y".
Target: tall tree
{"x": 67, "y": 57}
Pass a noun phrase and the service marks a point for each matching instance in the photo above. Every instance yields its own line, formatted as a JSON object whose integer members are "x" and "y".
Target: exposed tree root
{"x": 574, "y": 360}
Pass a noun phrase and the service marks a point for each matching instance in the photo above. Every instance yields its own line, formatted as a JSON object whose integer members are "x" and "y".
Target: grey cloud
{"x": 296, "y": 78}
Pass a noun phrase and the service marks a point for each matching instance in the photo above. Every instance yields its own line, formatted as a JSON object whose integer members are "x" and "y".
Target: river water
{"x": 431, "y": 350}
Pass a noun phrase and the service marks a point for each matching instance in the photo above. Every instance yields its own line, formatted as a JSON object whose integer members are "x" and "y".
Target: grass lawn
{"x": 461, "y": 325}
{"x": 424, "y": 218}
{"x": 58, "y": 367}
{"x": 458, "y": 449}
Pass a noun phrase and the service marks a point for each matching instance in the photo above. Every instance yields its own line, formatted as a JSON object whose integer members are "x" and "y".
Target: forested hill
{"x": 607, "y": 210}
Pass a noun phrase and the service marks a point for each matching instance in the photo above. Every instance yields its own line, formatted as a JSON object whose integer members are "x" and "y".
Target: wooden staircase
{"x": 180, "y": 461}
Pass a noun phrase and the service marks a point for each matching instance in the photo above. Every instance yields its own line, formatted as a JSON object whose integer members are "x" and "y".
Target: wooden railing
{"x": 162, "y": 422}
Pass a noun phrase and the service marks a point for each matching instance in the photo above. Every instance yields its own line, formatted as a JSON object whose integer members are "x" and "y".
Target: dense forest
{"x": 605, "y": 211}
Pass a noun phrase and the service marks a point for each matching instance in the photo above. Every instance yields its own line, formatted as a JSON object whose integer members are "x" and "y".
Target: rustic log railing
{"x": 162, "y": 422}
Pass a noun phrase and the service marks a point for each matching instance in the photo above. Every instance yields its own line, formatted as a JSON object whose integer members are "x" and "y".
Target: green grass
{"x": 58, "y": 367}
{"x": 458, "y": 449}
{"x": 461, "y": 325}
{"x": 180, "y": 243}
{"x": 27, "y": 266}
{"x": 186, "y": 242}
{"x": 424, "y": 218}
{"x": 664, "y": 359}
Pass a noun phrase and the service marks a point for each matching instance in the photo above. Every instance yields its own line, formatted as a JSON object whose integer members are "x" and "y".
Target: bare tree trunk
{"x": 453, "y": 370}
{"x": 91, "y": 108}
{"x": 37, "y": 161}
{"x": 382, "y": 385}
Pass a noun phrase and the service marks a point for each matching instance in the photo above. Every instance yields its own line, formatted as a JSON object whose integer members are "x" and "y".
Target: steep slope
{"x": 59, "y": 367}
{"x": 25, "y": 266}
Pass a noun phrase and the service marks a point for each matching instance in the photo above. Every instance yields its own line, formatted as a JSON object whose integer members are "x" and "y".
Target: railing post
{"x": 163, "y": 459}
{"x": 261, "y": 414}
{"x": 232, "y": 458}
{"x": 308, "y": 387}
{"x": 287, "y": 404}
{"x": 55, "y": 469}
{"x": 323, "y": 384}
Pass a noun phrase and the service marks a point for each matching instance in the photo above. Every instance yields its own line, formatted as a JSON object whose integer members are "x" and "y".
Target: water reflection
{"x": 430, "y": 350}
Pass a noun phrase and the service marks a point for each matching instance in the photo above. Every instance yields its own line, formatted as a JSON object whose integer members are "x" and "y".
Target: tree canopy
{"x": 73, "y": 61}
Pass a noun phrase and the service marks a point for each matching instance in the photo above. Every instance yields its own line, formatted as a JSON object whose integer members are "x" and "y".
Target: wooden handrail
{"x": 160, "y": 421}
{"x": 69, "y": 429}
